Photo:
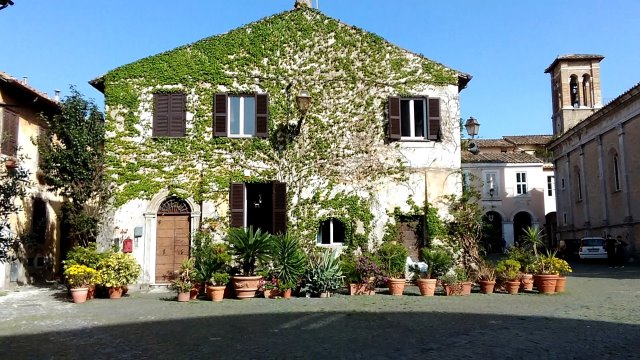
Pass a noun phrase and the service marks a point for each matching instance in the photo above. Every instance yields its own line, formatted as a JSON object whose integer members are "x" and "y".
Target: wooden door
{"x": 172, "y": 244}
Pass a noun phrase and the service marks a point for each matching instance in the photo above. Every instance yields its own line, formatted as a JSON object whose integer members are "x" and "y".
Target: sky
{"x": 505, "y": 45}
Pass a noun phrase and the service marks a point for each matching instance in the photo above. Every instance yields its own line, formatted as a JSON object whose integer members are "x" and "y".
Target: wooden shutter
{"x": 236, "y": 203}
{"x": 220, "y": 115}
{"x": 262, "y": 115}
{"x": 279, "y": 208}
{"x": 9, "y": 145}
{"x": 394, "y": 118}
{"x": 434, "y": 118}
{"x": 177, "y": 115}
{"x": 161, "y": 109}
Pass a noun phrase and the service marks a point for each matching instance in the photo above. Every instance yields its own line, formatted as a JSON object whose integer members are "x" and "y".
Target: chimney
{"x": 25, "y": 80}
{"x": 302, "y": 3}
{"x": 56, "y": 95}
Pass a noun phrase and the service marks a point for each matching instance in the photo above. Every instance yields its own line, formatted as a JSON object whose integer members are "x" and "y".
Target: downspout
{"x": 425, "y": 228}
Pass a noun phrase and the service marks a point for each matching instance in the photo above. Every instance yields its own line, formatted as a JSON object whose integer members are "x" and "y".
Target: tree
{"x": 465, "y": 228}
{"x": 72, "y": 159}
{"x": 13, "y": 186}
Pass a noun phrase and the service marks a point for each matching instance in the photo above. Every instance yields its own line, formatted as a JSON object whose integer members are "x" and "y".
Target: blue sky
{"x": 505, "y": 45}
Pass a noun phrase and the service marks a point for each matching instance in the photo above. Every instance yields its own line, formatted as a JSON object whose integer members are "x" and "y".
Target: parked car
{"x": 592, "y": 248}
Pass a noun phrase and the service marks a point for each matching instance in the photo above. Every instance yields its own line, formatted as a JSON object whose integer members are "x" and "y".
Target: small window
{"x": 578, "y": 185}
{"x": 491, "y": 183}
{"x": 414, "y": 118}
{"x": 550, "y": 185}
{"x": 562, "y": 184}
{"x": 242, "y": 116}
{"x": 332, "y": 232}
{"x": 169, "y": 115}
{"x": 521, "y": 183}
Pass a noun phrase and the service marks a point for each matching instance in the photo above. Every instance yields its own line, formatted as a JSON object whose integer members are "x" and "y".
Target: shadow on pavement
{"x": 326, "y": 335}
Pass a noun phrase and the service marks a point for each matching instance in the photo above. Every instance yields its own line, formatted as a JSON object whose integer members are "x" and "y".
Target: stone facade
{"x": 596, "y": 165}
{"x": 330, "y": 167}
{"x": 41, "y": 259}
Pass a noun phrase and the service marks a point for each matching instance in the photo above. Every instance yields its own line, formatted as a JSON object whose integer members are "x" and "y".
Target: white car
{"x": 592, "y": 248}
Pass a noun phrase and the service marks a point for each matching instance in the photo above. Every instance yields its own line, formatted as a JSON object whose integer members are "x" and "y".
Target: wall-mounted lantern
{"x": 304, "y": 103}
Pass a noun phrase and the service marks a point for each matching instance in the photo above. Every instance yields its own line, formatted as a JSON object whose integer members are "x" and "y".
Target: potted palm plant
{"x": 509, "y": 271}
{"x": 393, "y": 257}
{"x": 439, "y": 261}
{"x": 288, "y": 261}
{"x": 248, "y": 248}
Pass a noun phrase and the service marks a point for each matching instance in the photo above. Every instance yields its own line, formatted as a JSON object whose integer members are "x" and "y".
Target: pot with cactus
{"x": 323, "y": 274}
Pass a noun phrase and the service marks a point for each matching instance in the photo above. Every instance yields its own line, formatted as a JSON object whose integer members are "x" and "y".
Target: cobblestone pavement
{"x": 598, "y": 317}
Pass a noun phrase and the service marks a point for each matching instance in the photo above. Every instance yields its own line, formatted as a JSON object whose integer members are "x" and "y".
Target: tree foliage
{"x": 13, "y": 186}
{"x": 72, "y": 159}
{"x": 465, "y": 228}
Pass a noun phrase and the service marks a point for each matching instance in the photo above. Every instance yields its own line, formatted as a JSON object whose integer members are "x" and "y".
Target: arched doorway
{"x": 521, "y": 221}
{"x": 492, "y": 232}
{"x": 550, "y": 229}
{"x": 172, "y": 237}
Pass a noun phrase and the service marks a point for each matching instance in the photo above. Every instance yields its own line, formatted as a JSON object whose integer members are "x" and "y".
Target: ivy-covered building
{"x": 217, "y": 134}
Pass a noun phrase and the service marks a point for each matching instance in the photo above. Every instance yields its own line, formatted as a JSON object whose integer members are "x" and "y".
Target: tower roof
{"x": 573, "y": 57}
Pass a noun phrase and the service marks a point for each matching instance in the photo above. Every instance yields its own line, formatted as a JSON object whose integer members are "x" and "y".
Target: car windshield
{"x": 592, "y": 242}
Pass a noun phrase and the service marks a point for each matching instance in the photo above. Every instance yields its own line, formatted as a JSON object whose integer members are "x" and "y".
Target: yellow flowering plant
{"x": 78, "y": 276}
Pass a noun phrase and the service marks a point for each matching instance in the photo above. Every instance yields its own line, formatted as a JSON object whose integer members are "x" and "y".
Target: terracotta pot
{"x": 560, "y": 284}
{"x": 246, "y": 286}
{"x": 452, "y": 289}
{"x": 466, "y": 288}
{"x": 10, "y": 164}
{"x": 427, "y": 286}
{"x": 79, "y": 295}
{"x": 487, "y": 286}
{"x": 526, "y": 282}
{"x": 286, "y": 293}
{"x": 91, "y": 293}
{"x": 115, "y": 292}
{"x": 512, "y": 287}
{"x": 125, "y": 289}
{"x": 325, "y": 294}
{"x": 216, "y": 293}
{"x": 271, "y": 293}
{"x": 184, "y": 296}
{"x": 396, "y": 286}
{"x": 361, "y": 289}
{"x": 546, "y": 284}
{"x": 193, "y": 293}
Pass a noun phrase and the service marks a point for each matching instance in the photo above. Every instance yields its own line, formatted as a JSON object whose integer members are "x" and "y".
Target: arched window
{"x": 587, "y": 100}
{"x": 574, "y": 91}
{"x": 331, "y": 232}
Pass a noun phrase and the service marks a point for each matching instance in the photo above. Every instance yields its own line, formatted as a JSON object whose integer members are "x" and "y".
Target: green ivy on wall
{"x": 348, "y": 72}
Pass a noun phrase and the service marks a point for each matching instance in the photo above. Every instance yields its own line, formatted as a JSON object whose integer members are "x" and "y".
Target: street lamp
{"x": 473, "y": 126}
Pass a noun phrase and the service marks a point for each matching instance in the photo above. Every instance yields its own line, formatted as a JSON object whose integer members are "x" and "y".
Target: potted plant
{"x": 562, "y": 268}
{"x": 393, "y": 257}
{"x": 269, "y": 284}
{"x": 546, "y": 273}
{"x": 218, "y": 283}
{"x": 486, "y": 277}
{"x": 90, "y": 257}
{"x": 439, "y": 261}
{"x": 509, "y": 271}
{"x": 248, "y": 247}
{"x": 79, "y": 277}
{"x": 288, "y": 262}
{"x": 362, "y": 273}
{"x": 118, "y": 270}
{"x": 456, "y": 282}
{"x": 209, "y": 259}
{"x": 323, "y": 274}
{"x": 526, "y": 258}
{"x": 182, "y": 281}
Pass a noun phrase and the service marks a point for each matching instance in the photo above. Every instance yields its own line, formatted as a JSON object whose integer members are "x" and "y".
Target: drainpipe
{"x": 425, "y": 228}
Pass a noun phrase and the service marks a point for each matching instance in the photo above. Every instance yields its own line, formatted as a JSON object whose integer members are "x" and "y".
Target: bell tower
{"x": 575, "y": 89}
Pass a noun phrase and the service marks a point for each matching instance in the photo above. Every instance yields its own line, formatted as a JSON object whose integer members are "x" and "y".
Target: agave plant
{"x": 249, "y": 247}
{"x": 324, "y": 273}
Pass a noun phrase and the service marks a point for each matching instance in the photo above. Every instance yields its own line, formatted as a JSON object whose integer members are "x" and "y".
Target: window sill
{"x": 336, "y": 245}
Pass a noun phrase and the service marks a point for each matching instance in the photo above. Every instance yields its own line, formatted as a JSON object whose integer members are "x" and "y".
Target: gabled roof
{"x": 492, "y": 143}
{"x": 509, "y": 158}
{"x": 33, "y": 95}
{"x": 573, "y": 57}
{"x": 211, "y": 50}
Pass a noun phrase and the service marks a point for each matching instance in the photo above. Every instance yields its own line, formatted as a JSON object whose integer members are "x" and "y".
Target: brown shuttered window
{"x": 169, "y": 115}
{"x": 262, "y": 115}
{"x": 9, "y": 145}
{"x": 236, "y": 203}
{"x": 220, "y": 115}
{"x": 394, "y": 118}
{"x": 279, "y": 208}
{"x": 434, "y": 119}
